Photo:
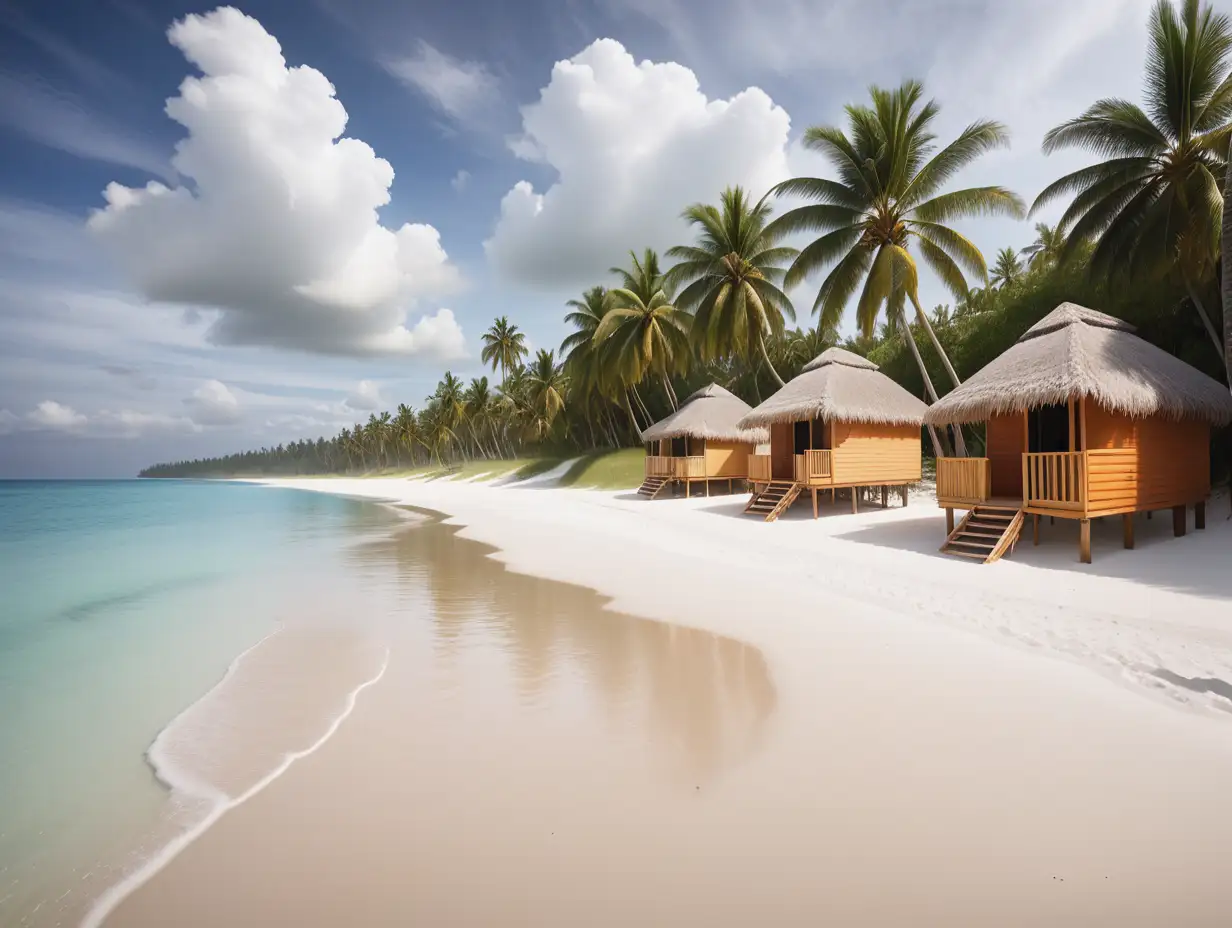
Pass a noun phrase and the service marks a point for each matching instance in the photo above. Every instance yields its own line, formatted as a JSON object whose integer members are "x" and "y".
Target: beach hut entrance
{"x": 679, "y": 447}
{"x": 1048, "y": 429}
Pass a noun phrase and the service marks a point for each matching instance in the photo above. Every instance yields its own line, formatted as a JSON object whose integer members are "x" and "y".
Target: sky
{"x": 224, "y": 228}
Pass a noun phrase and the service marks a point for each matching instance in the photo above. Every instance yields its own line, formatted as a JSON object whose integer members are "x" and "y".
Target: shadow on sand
{"x": 1199, "y": 563}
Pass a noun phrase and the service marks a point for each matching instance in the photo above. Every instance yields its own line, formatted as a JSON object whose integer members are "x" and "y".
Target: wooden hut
{"x": 840, "y": 424}
{"x": 700, "y": 442}
{"x": 1082, "y": 419}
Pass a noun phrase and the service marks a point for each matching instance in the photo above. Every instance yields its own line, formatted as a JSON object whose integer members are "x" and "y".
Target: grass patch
{"x": 607, "y": 470}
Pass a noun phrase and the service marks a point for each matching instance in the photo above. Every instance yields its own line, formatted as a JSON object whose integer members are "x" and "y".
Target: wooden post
{"x": 949, "y": 522}
{"x": 885, "y": 497}
{"x": 904, "y": 494}
{"x": 855, "y": 500}
{"x": 1035, "y": 528}
{"x": 1084, "y": 541}
{"x": 1200, "y": 515}
{"x": 1148, "y": 515}
{"x": 1128, "y": 520}
{"x": 707, "y": 488}
{"x": 814, "y": 502}
{"x": 1178, "y": 521}
{"x": 687, "y": 487}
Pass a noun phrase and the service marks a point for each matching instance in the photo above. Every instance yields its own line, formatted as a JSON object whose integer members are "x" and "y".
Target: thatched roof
{"x": 843, "y": 387}
{"x": 712, "y": 413}
{"x": 1077, "y": 352}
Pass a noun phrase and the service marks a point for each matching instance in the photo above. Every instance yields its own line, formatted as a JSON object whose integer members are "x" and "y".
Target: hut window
{"x": 696, "y": 446}
{"x": 801, "y": 437}
{"x": 680, "y": 447}
{"x": 1048, "y": 429}
{"x": 821, "y": 434}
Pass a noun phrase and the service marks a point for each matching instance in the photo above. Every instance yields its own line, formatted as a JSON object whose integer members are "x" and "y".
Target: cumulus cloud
{"x": 279, "y": 229}
{"x": 460, "y": 89}
{"x": 53, "y": 416}
{"x": 632, "y": 143}
{"x": 213, "y": 404}
{"x": 366, "y": 397}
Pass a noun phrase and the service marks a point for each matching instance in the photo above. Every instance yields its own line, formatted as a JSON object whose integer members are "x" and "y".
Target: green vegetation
{"x": 1141, "y": 238}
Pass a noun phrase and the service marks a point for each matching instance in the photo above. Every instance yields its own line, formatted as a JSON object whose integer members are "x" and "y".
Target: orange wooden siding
{"x": 727, "y": 459}
{"x": 1006, "y": 441}
{"x": 866, "y": 454}
{"x": 1138, "y": 464}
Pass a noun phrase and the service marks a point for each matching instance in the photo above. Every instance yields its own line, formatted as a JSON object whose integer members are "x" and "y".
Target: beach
{"x": 745, "y": 722}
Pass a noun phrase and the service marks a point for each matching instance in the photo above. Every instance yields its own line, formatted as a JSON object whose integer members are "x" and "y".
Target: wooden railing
{"x": 1055, "y": 480}
{"x": 759, "y": 468}
{"x": 658, "y": 465}
{"x": 813, "y": 466}
{"x": 691, "y": 468}
{"x": 966, "y": 479}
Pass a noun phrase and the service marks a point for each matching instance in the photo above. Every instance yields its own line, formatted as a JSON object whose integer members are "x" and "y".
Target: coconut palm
{"x": 545, "y": 392}
{"x": 406, "y": 430}
{"x": 1047, "y": 247}
{"x": 731, "y": 279}
{"x": 1007, "y": 268}
{"x": 1226, "y": 239}
{"x": 477, "y": 405}
{"x": 504, "y": 346}
{"x": 886, "y": 199}
{"x": 642, "y": 332}
{"x": 1155, "y": 205}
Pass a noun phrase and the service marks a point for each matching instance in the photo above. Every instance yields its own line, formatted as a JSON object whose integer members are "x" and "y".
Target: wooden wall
{"x": 1138, "y": 464}
{"x": 1006, "y": 440}
{"x": 867, "y": 454}
{"x": 727, "y": 459}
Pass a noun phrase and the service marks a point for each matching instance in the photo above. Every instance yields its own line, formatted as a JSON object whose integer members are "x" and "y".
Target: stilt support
{"x": 1128, "y": 520}
{"x": 1035, "y": 529}
{"x": 1178, "y": 521}
{"x": 904, "y": 494}
{"x": 1148, "y": 515}
{"x": 949, "y": 522}
{"x": 1200, "y": 515}
{"x": 885, "y": 497}
{"x": 1084, "y": 541}
{"x": 814, "y": 502}
{"x": 855, "y": 500}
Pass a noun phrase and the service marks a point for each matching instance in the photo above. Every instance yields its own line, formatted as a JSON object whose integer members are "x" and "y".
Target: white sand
{"x": 1165, "y": 606}
{"x": 951, "y": 743}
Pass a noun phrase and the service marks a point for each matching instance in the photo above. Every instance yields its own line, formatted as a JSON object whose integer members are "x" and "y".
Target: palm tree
{"x": 1047, "y": 248}
{"x": 1226, "y": 239}
{"x": 477, "y": 404}
{"x": 887, "y": 198}
{"x": 1155, "y": 204}
{"x": 406, "y": 430}
{"x": 546, "y": 392}
{"x": 648, "y": 334}
{"x": 732, "y": 276}
{"x": 1007, "y": 268}
{"x": 504, "y": 346}
{"x": 592, "y": 380}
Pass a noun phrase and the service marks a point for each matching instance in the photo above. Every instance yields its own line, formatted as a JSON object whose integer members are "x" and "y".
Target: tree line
{"x": 1141, "y": 237}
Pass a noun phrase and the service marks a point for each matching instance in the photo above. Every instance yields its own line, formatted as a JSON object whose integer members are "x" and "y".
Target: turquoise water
{"x": 123, "y": 603}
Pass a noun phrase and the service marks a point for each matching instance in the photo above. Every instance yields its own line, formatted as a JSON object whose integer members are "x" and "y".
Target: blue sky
{"x": 279, "y": 281}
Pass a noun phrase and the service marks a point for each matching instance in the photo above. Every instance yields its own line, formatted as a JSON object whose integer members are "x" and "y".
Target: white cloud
{"x": 366, "y": 397}
{"x": 460, "y": 180}
{"x": 53, "y": 416}
{"x": 280, "y": 229}
{"x": 128, "y": 423}
{"x": 213, "y": 404}
{"x": 460, "y": 89}
{"x": 632, "y": 145}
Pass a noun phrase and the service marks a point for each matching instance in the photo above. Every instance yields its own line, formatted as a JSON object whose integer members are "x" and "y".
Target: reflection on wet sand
{"x": 705, "y": 698}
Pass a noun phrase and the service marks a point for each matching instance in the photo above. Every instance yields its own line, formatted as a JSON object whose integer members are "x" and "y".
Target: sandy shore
{"x": 949, "y": 743}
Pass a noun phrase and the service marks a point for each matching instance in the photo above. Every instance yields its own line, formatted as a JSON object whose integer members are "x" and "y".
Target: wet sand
{"x": 529, "y": 758}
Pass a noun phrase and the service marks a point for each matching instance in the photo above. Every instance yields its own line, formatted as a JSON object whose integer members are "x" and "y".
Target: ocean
{"x": 124, "y": 603}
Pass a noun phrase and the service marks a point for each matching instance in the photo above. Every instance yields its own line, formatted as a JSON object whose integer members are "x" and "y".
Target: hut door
{"x": 821, "y": 435}
{"x": 801, "y": 436}
{"x": 1048, "y": 429}
{"x": 680, "y": 447}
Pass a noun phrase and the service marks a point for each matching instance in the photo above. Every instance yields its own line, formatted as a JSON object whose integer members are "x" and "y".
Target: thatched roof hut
{"x": 1075, "y": 352}
{"x": 839, "y": 386}
{"x": 712, "y": 413}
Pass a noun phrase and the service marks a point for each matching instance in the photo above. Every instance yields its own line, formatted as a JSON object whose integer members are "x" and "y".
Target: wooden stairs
{"x": 774, "y": 500}
{"x": 986, "y": 533}
{"x": 653, "y": 486}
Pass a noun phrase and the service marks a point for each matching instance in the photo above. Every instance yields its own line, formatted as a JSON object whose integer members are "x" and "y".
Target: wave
{"x": 185, "y": 784}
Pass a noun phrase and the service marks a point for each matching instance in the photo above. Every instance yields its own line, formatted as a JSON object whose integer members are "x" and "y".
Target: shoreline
{"x": 543, "y": 532}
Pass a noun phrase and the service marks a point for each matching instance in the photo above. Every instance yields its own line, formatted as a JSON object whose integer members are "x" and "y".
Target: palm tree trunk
{"x": 642, "y": 406}
{"x": 1226, "y": 282}
{"x": 765, "y": 357}
{"x": 632, "y": 418}
{"x": 938, "y": 447}
{"x": 959, "y": 443}
{"x": 1206, "y": 319}
{"x": 671, "y": 394}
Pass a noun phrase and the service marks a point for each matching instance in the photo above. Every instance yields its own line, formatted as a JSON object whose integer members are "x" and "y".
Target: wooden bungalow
{"x": 840, "y": 424}
{"x": 1083, "y": 419}
{"x": 700, "y": 442}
